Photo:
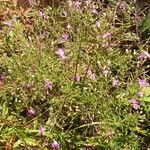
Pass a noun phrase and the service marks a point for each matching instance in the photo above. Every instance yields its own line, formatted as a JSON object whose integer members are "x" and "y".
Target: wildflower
{"x": 143, "y": 56}
{"x": 31, "y": 2}
{"x": 41, "y": 130}
{"x": 91, "y": 75}
{"x": 107, "y": 35}
{"x": 94, "y": 11}
{"x": 48, "y": 85}
{"x": 55, "y": 145}
{"x": 105, "y": 71}
{"x": 30, "y": 112}
{"x": 65, "y": 36}
{"x": 140, "y": 94}
{"x": 2, "y": 78}
{"x": 61, "y": 53}
{"x": 65, "y": 13}
{"x": 98, "y": 24}
{"x": 77, "y": 3}
{"x": 115, "y": 83}
{"x": 8, "y": 23}
{"x": 28, "y": 86}
{"x": 42, "y": 15}
{"x": 76, "y": 78}
{"x": 122, "y": 6}
{"x": 68, "y": 26}
{"x": 106, "y": 46}
{"x": 134, "y": 103}
{"x": 142, "y": 82}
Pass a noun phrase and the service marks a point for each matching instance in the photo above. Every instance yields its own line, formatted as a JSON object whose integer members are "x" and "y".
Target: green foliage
{"x": 39, "y": 88}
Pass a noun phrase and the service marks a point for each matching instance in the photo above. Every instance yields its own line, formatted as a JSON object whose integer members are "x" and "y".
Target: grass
{"x": 67, "y": 77}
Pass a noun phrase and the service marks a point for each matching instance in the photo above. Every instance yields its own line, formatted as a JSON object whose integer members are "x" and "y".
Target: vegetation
{"x": 74, "y": 76}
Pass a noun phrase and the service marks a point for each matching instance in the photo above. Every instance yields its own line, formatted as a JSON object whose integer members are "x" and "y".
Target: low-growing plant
{"x": 73, "y": 77}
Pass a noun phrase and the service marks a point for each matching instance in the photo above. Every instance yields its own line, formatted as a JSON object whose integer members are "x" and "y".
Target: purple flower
{"x": 140, "y": 94}
{"x": 107, "y": 35}
{"x": 61, "y": 53}
{"x": 55, "y": 145}
{"x": 77, "y": 3}
{"x": 142, "y": 82}
{"x": 106, "y": 46}
{"x": 94, "y": 11}
{"x": 136, "y": 106}
{"x": 42, "y": 15}
{"x": 122, "y": 6}
{"x": 65, "y": 13}
{"x": 115, "y": 82}
{"x": 68, "y": 26}
{"x": 8, "y": 23}
{"x": 91, "y": 75}
{"x": 28, "y": 86}
{"x": 41, "y": 130}
{"x": 76, "y": 78}
{"x": 132, "y": 101}
{"x": 98, "y": 24}
{"x": 30, "y": 112}
{"x": 143, "y": 56}
{"x": 48, "y": 85}
{"x": 135, "y": 103}
{"x": 2, "y": 78}
{"x": 65, "y": 36}
{"x": 31, "y": 2}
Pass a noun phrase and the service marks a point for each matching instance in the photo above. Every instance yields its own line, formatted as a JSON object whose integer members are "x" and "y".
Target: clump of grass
{"x": 73, "y": 77}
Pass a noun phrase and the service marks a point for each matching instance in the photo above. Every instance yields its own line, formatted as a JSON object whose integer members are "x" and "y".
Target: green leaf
{"x": 4, "y": 110}
{"x": 146, "y": 99}
{"x": 17, "y": 144}
{"x": 146, "y": 91}
{"x": 146, "y": 23}
{"x": 30, "y": 142}
{"x": 129, "y": 36}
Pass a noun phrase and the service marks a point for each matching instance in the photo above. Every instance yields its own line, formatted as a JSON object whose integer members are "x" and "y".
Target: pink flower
{"x": 77, "y": 3}
{"x": 65, "y": 36}
{"x": 65, "y": 13}
{"x": 122, "y": 6}
{"x": 76, "y": 78}
{"x": 136, "y": 106}
{"x": 2, "y": 78}
{"x": 107, "y": 35}
{"x": 143, "y": 56}
{"x": 31, "y": 2}
{"x": 30, "y": 112}
{"x": 48, "y": 85}
{"x": 91, "y": 75}
{"x": 61, "y": 53}
{"x": 41, "y": 130}
{"x": 115, "y": 83}
{"x": 8, "y": 23}
{"x": 42, "y": 15}
{"x": 94, "y": 11}
{"x": 68, "y": 26}
{"x": 142, "y": 82}
{"x": 140, "y": 94}
{"x": 106, "y": 46}
{"x": 98, "y": 24}
{"x": 135, "y": 103}
{"x": 28, "y": 86}
{"x": 55, "y": 145}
